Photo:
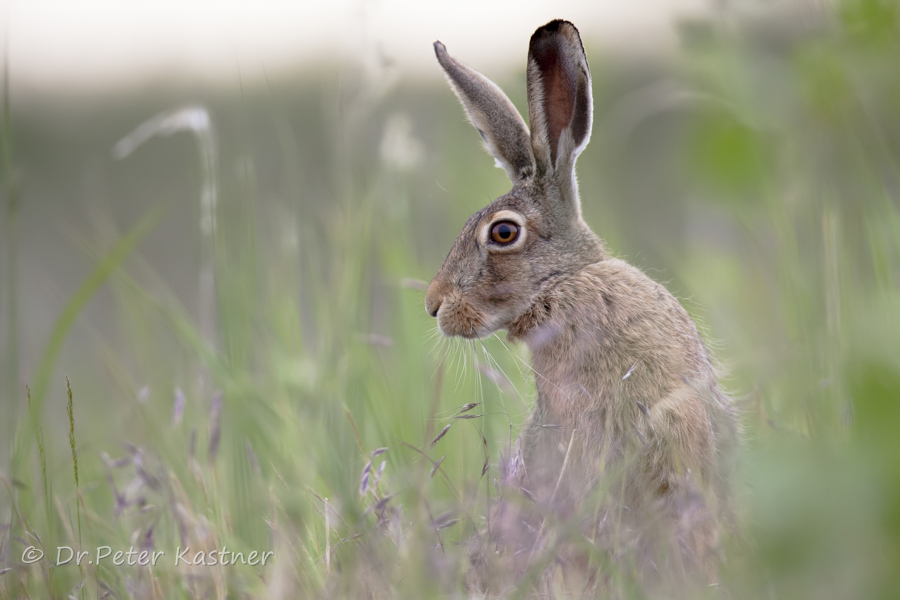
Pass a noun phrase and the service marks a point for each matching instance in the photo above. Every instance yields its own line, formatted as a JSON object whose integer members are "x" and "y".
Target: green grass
{"x": 767, "y": 201}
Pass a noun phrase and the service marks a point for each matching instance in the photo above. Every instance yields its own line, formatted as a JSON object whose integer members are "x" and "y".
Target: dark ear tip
{"x": 560, "y": 26}
{"x": 439, "y": 48}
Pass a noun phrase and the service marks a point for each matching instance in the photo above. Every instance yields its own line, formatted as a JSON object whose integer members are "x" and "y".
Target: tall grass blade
{"x": 112, "y": 260}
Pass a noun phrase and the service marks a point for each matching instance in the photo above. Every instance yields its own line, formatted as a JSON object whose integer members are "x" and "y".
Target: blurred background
{"x": 218, "y": 220}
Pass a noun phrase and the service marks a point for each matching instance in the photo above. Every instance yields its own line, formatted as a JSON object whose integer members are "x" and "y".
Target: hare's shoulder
{"x": 632, "y": 306}
{"x": 621, "y": 287}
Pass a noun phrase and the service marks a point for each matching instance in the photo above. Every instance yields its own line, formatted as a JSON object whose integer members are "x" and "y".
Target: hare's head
{"x": 530, "y": 238}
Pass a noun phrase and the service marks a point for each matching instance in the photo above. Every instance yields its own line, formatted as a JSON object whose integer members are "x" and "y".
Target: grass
{"x": 325, "y": 421}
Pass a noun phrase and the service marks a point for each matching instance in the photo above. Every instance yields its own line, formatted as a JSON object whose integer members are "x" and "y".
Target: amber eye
{"x": 504, "y": 232}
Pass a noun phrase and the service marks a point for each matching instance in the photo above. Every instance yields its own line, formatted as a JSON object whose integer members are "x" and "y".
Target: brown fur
{"x": 627, "y": 396}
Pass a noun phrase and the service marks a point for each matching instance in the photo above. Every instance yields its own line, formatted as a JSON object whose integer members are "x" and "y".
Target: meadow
{"x": 215, "y": 336}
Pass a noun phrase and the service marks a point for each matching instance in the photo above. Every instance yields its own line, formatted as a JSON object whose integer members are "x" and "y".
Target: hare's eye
{"x": 504, "y": 232}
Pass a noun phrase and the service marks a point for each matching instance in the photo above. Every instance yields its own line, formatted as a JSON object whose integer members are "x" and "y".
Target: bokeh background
{"x": 218, "y": 222}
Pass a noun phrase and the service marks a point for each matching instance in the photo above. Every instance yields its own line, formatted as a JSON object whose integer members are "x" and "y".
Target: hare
{"x": 629, "y": 418}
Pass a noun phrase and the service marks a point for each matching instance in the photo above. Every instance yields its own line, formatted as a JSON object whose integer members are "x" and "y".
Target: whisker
{"x": 442, "y": 360}
{"x": 496, "y": 365}
{"x": 479, "y": 386}
{"x": 479, "y": 390}
{"x": 459, "y": 363}
{"x": 523, "y": 374}
{"x": 533, "y": 370}
{"x": 435, "y": 342}
{"x": 496, "y": 383}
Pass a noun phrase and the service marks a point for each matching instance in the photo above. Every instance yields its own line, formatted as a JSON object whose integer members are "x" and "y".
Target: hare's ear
{"x": 559, "y": 98}
{"x": 501, "y": 126}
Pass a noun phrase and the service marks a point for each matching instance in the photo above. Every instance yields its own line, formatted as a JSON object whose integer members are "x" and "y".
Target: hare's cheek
{"x": 502, "y": 293}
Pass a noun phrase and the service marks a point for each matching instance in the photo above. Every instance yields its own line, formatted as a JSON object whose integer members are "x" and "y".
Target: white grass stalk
{"x": 196, "y": 120}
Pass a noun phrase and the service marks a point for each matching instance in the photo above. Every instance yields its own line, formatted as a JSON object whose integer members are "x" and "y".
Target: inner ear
{"x": 558, "y": 85}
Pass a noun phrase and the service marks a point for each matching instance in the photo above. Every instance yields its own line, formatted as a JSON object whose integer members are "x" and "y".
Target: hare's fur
{"x": 629, "y": 417}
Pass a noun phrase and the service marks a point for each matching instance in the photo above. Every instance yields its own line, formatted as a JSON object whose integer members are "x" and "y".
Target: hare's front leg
{"x": 680, "y": 463}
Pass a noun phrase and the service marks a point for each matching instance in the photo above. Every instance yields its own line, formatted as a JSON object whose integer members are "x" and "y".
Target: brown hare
{"x": 630, "y": 431}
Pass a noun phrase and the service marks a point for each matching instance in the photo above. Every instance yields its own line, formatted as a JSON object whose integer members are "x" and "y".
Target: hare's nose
{"x": 432, "y": 307}
{"x": 433, "y": 299}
